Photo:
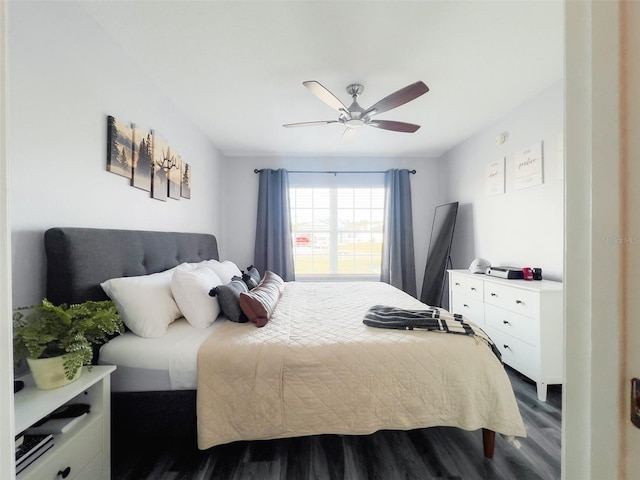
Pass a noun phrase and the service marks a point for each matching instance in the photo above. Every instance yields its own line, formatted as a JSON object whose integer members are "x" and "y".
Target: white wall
{"x": 64, "y": 77}
{"x": 240, "y": 197}
{"x": 519, "y": 227}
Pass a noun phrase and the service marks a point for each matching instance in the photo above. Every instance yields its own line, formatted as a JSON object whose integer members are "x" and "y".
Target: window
{"x": 337, "y": 231}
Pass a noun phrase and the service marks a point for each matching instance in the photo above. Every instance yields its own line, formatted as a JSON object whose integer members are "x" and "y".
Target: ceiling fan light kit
{"x": 355, "y": 116}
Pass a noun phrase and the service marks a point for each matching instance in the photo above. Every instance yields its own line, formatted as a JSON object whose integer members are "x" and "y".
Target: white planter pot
{"x": 49, "y": 373}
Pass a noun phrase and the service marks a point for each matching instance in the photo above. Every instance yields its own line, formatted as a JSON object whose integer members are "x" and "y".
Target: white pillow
{"x": 225, "y": 270}
{"x": 145, "y": 302}
{"x": 190, "y": 288}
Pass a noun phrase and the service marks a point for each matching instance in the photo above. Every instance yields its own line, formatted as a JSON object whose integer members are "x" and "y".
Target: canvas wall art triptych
{"x": 147, "y": 160}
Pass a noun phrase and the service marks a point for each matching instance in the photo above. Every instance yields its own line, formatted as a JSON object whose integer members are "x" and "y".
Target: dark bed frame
{"x": 79, "y": 259}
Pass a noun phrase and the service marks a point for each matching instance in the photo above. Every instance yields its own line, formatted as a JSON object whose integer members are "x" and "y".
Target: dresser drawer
{"x": 467, "y": 286}
{"x": 515, "y": 353}
{"x": 471, "y": 308}
{"x": 518, "y": 326}
{"x": 524, "y": 302}
{"x": 74, "y": 453}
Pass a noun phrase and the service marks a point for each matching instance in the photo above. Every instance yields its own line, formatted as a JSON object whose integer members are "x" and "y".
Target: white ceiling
{"x": 236, "y": 67}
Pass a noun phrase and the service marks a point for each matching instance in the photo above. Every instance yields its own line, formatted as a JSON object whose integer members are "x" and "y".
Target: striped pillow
{"x": 258, "y": 304}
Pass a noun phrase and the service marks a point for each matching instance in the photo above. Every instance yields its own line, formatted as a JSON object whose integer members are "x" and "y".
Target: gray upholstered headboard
{"x": 79, "y": 259}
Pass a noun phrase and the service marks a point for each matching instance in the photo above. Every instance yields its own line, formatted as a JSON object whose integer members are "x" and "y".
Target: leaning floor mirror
{"x": 439, "y": 254}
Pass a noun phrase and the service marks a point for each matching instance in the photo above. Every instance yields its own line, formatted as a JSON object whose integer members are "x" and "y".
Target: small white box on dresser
{"x": 524, "y": 319}
{"x": 82, "y": 453}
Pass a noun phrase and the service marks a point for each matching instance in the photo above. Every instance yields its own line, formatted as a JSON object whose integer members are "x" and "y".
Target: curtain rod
{"x": 334, "y": 172}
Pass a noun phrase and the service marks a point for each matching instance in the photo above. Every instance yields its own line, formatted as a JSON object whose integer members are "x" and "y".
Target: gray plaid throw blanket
{"x": 434, "y": 319}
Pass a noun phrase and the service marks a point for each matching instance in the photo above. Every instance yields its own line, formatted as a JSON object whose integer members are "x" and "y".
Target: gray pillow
{"x": 249, "y": 281}
{"x": 253, "y": 273}
{"x": 229, "y": 299}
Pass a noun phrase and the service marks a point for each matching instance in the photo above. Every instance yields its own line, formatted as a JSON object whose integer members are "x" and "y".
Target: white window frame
{"x": 333, "y": 181}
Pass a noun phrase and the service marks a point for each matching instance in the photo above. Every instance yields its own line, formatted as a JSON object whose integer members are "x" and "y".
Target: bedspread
{"x": 315, "y": 368}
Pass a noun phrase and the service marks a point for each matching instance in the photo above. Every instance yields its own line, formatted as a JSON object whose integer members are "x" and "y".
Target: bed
{"x": 314, "y": 368}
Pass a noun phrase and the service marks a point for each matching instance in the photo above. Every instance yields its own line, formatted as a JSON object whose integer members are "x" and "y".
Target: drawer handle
{"x": 465, "y": 305}
{"x": 519, "y": 302}
{"x": 473, "y": 289}
{"x": 506, "y": 322}
{"x": 506, "y": 347}
{"x": 457, "y": 284}
{"x": 494, "y": 294}
{"x": 65, "y": 473}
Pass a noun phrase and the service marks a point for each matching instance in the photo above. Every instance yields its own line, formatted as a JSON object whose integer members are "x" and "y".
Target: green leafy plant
{"x": 47, "y": 330}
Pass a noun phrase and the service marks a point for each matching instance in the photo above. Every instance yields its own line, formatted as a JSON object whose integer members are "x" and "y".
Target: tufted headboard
{"x": 79, "y": 259}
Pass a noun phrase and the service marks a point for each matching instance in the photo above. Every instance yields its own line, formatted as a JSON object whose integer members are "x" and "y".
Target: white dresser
{"x": 524, "y": 319}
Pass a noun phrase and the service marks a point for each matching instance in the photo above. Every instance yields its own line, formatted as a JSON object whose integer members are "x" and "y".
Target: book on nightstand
{"x": 32, "y": 448}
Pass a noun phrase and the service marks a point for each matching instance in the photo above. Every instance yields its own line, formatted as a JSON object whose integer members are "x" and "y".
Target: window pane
{"x": 362, "y": 219}
{"x": 321, "y": 219}
{"x": 321, "y": 197}
{"x": 362, "y": 198}
{"x": 377, "y": 219}
{"x": 304, "y": 197}
{"x": 302, "y": 218}
{"x": 345, "y": 219}
{"x": 377, "y": 198}
{"x": 345, "y": 198}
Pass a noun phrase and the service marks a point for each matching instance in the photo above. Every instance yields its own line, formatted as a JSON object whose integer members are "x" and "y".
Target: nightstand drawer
{"x": 518, "y": 326}
{"x": 74, "y": 453}
{"x": 523, "y": 302}
{"x": 467, "y": 286}
{"x": 93, "y": 470}
{"x": 471, "y": 308}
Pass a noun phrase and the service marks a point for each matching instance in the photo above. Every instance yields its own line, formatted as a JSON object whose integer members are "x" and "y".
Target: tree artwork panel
{"x": 185, "y": 184}
{"x": 159, "y": 185}
{"x": 175, "y": 174}
{"x": 164, "y": 159}
{"x": 142, "y": 159}
{"x": 120, "y": 146}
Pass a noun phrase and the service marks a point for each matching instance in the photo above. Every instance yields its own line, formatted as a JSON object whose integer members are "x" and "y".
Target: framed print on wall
{"x": 142, "y": 158}
{"x": 527, "y": 167}
{"x": 494, "y": 178}
{"x": 120, "y": 145}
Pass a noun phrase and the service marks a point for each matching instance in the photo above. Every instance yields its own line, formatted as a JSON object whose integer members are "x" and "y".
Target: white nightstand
{"x": 84, "y": 452}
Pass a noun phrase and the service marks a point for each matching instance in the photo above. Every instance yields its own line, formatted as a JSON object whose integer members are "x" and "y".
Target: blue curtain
{"x": 274, "y": 249}
{"x": 398, "y": 262}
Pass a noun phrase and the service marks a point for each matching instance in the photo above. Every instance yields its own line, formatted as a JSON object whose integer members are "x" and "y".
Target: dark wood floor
{"x": 430, "y": 453}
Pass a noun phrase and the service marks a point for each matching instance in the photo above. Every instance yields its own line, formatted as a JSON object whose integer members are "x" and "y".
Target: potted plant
{"x": 57, "y": 341}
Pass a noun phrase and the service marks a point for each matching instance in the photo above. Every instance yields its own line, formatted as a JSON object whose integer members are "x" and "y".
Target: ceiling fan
{"x": 355, "y": 116}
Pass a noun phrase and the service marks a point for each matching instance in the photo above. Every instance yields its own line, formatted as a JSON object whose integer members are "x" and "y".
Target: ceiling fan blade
{"x": 325, "y": 95}
{"x": 402, "y": 96}
{"x": 348, "y": 135}
{"x": 394, "y": 126}
{"x": 309, "y": 124}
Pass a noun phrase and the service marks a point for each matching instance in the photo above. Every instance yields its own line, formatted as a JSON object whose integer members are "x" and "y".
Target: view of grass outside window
{"x": 337, "y": 230}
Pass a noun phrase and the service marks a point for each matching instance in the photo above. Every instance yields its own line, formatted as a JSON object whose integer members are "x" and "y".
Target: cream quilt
{"x": 315, "y": 368}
